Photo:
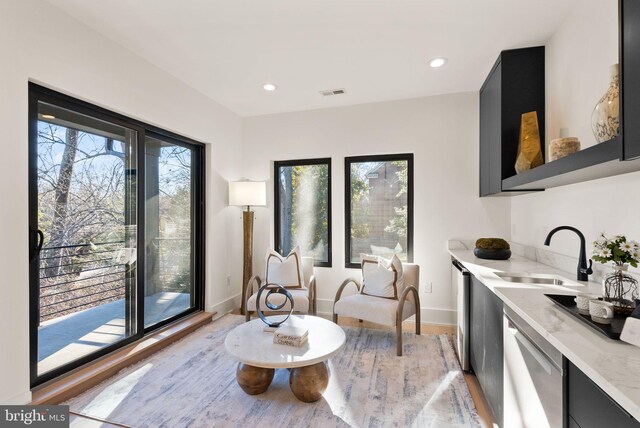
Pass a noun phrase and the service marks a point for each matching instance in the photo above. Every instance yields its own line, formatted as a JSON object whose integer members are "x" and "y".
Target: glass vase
{"x": 605, "y": 119}
{"x": 621, "y": 289}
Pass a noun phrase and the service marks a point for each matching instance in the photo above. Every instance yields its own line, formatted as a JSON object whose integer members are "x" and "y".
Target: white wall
{"x": 608, "y": 205}
{"x": 42, "y": 44}
{"x": 441, "y": 131}
{"x": 578, "y": 60}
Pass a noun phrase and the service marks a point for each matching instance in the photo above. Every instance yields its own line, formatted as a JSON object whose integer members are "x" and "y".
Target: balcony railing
{"x": 81, "y": 276}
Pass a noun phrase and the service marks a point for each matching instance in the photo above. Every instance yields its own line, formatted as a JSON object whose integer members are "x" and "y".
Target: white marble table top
{"x": 251, "y": 345}
{"x": 611, "y": 364}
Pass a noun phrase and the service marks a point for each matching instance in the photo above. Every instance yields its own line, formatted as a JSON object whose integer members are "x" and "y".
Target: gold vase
{"x": 529, "y": 149}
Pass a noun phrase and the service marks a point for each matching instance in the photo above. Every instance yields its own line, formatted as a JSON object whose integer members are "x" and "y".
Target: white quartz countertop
{"x": 613, "y": 365}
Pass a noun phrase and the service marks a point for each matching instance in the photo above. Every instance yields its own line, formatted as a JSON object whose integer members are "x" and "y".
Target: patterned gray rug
{"x": 192, "y": 384}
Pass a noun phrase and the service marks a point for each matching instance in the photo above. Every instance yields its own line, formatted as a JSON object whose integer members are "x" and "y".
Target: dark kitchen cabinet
{"x": 620, "y": 155}
{"x": 486, "y": 345}
{"x": 590, "y": 407}
{"x": 630, "y": 77}
{"x": 514, "y": 86}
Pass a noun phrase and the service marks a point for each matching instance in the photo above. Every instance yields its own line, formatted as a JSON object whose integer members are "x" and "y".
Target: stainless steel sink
{"x": 530, "y": 279}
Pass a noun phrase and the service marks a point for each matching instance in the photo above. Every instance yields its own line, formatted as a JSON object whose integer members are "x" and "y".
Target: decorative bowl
{"x": 492, "y": 254}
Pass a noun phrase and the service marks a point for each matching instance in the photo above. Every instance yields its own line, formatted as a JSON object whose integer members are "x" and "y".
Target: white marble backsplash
{"x": 548, "y": 257}
{"x": 459, "y": 244}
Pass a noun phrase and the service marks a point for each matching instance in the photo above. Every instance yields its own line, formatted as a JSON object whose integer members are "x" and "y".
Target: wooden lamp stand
{"x": 247, "y": 269}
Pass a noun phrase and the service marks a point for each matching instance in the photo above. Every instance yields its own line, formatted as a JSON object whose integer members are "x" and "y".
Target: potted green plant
{"x": 492, "y": 249}
{"x": 620, "y": 288}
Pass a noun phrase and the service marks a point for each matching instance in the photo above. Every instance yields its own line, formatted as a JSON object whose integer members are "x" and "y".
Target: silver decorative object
{"x": 605, "y": 119}
{"x": 274, "y": 289}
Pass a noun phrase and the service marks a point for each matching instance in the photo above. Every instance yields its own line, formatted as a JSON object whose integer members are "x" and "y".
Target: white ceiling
{"x": 376, "y": 49}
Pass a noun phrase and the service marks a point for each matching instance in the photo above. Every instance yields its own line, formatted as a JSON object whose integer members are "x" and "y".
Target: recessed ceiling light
{"x": 48, "y": 116}
{"x": 437, "y": 62}
{"x": 269, "y": 87}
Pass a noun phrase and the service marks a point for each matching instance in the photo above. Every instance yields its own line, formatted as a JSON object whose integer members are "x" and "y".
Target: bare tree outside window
{"x": 81, "y": 191}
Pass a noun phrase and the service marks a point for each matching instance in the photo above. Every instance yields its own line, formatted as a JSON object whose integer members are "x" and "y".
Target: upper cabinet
{"x": 514, "y": 86}
{"x": 579, "y": 67}
{"x": 630, "y": 79}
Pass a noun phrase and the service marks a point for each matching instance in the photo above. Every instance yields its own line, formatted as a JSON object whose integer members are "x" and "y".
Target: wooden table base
{"x": 253, "y": 380}
{"x": 308, "y": 383}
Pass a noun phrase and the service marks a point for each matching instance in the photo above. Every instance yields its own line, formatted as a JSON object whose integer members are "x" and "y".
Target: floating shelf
{"x": 599, "y": 161}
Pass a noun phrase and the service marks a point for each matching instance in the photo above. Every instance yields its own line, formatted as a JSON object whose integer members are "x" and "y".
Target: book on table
{"x": 290, "y": 342}
{"x": 291, "y": 332}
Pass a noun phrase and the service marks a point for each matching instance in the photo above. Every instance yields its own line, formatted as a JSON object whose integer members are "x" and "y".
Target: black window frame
{"x": 276, "y": 198}
{"x": 39, "y": 93}
{"x": 408, "y": 157}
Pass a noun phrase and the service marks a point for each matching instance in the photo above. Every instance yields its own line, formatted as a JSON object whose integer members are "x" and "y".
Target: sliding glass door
{"x": 116, "y": 219}
{"x": 169, "y": 218}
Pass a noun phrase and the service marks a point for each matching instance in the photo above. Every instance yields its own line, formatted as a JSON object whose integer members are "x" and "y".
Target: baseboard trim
{"x": 90, "y": 375}
{"x": 226, "y": 306}
{"x": 435, "y": 316}
{"x": 19, "y": 399}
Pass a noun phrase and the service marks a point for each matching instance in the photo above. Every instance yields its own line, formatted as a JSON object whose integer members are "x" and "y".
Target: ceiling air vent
{"x": 330, "y": 92}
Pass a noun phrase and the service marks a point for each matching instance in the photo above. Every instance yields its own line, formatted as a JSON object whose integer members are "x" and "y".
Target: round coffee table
{"x": 259, "y": 356}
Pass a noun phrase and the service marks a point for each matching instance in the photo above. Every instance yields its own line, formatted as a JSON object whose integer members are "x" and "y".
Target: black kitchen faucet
{"x": 583, "y": 270}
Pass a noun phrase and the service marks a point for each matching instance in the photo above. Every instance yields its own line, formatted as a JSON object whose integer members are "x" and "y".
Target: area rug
{"x": 192, "y": 383}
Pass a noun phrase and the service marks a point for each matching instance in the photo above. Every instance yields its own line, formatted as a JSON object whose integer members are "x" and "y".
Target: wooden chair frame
{"x": 399, "y": 309}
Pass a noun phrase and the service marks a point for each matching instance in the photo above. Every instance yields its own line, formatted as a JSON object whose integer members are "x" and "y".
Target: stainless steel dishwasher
{"x": 460, "y": 278}
{"x": 533, "y": 377}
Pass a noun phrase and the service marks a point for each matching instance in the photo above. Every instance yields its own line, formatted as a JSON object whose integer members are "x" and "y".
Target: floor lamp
{"x": 246, "y": 194}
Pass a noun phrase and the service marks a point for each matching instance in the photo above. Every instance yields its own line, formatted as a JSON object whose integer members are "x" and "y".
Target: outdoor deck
{"x": 72, "y": 336}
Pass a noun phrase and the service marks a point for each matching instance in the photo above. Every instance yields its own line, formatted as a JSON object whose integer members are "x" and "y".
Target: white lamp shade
{"x": 248, "y": 193}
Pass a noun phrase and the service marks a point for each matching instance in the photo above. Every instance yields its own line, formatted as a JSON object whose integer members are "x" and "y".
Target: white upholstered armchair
{"x": 381, "y": 310}
{"x": 304, "y": 299}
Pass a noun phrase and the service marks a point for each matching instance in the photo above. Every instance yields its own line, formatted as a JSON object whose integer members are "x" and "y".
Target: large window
{"x": 116, "y": 222}
{"x": 303, "y": 208}
{"x": 378, "y": 207}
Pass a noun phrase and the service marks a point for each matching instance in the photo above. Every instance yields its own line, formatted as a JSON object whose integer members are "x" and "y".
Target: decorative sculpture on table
{"x": 529, "y": 150}
{"x": 274, "y": 289}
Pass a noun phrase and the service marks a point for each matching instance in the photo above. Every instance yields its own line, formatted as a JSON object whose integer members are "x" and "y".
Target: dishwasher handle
{"x": 459, "y": 266}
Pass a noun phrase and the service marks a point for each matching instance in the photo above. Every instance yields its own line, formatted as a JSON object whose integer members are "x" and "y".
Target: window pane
{"x": 169, "y": 267}
{"x": 379, "y": 209}
{"x": 87, "y": 215}
{"x": 303, "y": 210}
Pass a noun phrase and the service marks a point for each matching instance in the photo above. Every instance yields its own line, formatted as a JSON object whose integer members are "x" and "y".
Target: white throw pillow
{"x": 285, "y": 271}
{"x": 382, "y": 278}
